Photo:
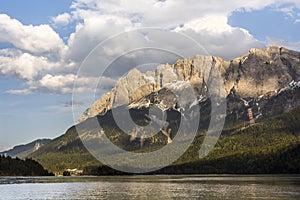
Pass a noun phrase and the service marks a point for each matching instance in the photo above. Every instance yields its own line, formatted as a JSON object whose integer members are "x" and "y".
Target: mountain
{"x": 266, "y": 81}
{"x": 22, "y": 151}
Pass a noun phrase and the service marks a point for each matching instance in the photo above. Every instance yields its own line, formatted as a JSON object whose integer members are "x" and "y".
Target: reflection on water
{"x": 152, "y": 187}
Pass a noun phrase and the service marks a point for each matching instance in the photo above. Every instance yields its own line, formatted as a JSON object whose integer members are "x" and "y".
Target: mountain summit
{"x": 257, "y": 75}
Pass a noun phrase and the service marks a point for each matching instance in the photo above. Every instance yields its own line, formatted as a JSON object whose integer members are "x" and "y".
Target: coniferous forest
{"x": 17, "y": 167}
{"x": 268, "y": 146}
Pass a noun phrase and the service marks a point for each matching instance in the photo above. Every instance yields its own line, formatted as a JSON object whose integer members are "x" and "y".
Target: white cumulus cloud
{"x": 35, "y": 39}
{"x": 61, "y": 19}
{"x": 24, "y": 65}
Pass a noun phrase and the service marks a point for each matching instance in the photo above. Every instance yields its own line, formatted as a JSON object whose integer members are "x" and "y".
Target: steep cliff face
{"x": 255, "y": 77}
{"x": 263, "y": 70}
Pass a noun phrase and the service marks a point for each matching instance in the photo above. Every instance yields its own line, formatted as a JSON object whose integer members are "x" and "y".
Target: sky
{"x": 44, "y": 43}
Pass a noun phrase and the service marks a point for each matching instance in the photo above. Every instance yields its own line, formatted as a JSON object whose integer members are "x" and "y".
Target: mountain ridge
{"x": 275, "y": 67}
{"x": 23, "y": 150}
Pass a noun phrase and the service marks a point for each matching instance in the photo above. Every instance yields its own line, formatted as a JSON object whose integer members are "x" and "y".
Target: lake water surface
{"x": 152, "y": 187}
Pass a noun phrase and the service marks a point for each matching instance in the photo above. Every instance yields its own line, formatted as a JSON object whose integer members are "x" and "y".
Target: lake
{"x": 153, "y": 187}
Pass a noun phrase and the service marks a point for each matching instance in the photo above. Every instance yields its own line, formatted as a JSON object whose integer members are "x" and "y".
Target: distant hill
{"x": 22, "y": 151}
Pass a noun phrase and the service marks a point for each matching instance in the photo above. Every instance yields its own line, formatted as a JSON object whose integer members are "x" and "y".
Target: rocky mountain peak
{"x": 260, "y": 72}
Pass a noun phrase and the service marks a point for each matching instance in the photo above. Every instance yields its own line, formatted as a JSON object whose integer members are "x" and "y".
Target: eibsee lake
{"x": 153, "y": 187}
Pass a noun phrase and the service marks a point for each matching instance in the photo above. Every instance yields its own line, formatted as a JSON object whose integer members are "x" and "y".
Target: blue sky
{"x": 42, "y": 44}
{"x": 268, "y": 22}
{"x": 33, "y": 11}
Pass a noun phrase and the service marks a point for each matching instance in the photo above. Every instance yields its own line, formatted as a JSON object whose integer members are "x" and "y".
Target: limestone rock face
{"x": 131, "y": 87}
{"x": 260, "y": 72}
